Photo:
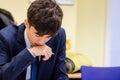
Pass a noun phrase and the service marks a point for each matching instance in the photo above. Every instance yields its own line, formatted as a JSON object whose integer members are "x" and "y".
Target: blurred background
{"x": 92, "y": 27}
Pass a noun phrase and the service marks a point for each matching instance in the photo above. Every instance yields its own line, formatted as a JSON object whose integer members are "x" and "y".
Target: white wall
{"x": 115, "y": 45}
{"x": 113, "y": 34}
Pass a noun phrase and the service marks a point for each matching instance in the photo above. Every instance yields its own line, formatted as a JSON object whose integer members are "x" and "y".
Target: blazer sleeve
{"x": 11, "y": 68}
{"x": 60, "y": 69}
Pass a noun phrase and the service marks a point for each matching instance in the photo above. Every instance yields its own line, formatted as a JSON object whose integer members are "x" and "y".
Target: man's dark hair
{"x": 6, "y": 18}
{"x": 45, "y": 16}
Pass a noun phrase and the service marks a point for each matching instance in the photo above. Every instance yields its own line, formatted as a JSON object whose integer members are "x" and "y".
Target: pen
{"x": 40, "y": 56}
{"x": 53, "y": 54}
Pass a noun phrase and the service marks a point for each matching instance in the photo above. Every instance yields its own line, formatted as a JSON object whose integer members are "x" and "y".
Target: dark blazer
{"x": 15, "y": 58}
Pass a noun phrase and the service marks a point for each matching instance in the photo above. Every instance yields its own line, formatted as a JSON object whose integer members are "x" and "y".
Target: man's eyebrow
{"x": 36, "y": 32}
{"x": 40, "y": 34}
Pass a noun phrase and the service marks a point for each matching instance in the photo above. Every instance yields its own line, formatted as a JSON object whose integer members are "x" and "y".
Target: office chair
{"x": 100, "y": 73}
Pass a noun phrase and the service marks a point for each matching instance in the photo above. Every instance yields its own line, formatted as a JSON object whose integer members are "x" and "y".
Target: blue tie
{"x": 34, "y": 71}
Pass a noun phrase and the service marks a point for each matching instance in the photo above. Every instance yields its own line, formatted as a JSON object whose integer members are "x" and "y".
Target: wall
{"x": 70, "y": 23}
{"x": 91, "y": 29}
{"x": 16, "y": 7}
{"x": 115, "y": 33}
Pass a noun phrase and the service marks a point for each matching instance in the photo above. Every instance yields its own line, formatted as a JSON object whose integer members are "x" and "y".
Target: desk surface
{"x": 74, "y": 75}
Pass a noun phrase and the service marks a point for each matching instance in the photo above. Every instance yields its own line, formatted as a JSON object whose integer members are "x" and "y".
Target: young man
{"x": 39, "y": 40}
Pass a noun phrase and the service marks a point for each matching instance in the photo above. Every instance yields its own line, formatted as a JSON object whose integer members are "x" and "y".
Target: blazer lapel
{"x": 20, "y": 37}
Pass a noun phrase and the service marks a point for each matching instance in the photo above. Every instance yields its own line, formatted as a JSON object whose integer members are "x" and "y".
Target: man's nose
{"x": 41, "y": 41}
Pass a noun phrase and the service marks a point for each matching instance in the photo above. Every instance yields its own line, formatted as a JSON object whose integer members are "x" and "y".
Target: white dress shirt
{"x": 28, "y": 73}
{"x": 28, "y": 45}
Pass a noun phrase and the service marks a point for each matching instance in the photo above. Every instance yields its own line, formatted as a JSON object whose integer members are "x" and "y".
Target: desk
{"x": 75, "y": 75}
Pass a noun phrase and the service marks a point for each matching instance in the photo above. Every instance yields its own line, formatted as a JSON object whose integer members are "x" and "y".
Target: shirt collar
{"x": 27, "y": 42}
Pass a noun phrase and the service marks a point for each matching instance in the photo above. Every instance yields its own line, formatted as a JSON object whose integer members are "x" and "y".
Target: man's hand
{"x": 44, "y": 51}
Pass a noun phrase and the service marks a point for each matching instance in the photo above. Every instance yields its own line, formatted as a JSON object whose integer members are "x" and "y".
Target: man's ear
{"x": 26, "y": 23}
